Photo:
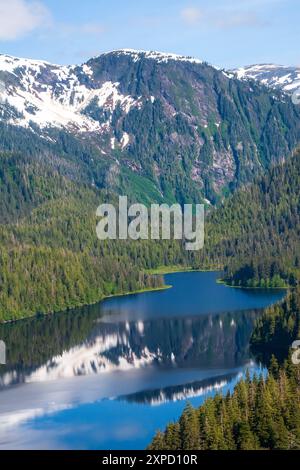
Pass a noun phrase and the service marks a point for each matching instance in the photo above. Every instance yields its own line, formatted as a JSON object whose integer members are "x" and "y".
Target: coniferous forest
{"x": 254, "y": 235}
{"x": 51, "y": 259}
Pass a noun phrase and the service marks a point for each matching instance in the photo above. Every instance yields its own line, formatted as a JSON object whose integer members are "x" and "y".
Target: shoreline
{"x": 102, "y": 299}
{"x": 161, "y": 270}
{"x": 224, "y": 283}
{"x": 135, "y": 292}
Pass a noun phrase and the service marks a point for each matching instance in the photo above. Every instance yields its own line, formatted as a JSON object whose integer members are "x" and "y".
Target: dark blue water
{"x": 193, "y": 293}
{"x": 109, "y": 375}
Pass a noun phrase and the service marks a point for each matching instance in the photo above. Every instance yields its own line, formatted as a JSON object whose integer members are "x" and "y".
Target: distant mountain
{"x": 281, "y": 77}
{"x": 156, "y": 126}
{"x": 37, "y": 92}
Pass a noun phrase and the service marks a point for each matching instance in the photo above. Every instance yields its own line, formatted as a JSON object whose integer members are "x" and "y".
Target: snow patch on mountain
{"x": 109, "y": 98}
{"x": 56, "y": 96}
{"x": 275, "y": 76}
{"x": 125, "y": 140}
{"x": 35, "y": 92}
{"x": 159, "y": 57}
{"x": 10, "y": 64}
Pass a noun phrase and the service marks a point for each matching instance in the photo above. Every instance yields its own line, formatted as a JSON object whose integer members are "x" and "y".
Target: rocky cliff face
{"x": 168, "y": 127}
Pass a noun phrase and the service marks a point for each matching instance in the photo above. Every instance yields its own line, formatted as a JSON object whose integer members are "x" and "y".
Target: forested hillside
{"x": 51, "y": 258}
{"x": 193, "y": 134}
{"x": 255, "y": 234}
{"x": 54, "y": 260}
{"x": 158, "y": 126}
{"x": 278, "y": 327}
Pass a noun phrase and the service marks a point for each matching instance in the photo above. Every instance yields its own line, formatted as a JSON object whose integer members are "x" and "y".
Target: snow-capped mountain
{"x": 52, "y": 95}
{"x": 160, "y": 57}
{"x": 37, "y": 92}
{"x": 175, "y": 121}
{"x": 275, "y": 76}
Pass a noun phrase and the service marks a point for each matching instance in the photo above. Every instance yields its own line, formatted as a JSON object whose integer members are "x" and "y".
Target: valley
{"x": 158, "y": 128}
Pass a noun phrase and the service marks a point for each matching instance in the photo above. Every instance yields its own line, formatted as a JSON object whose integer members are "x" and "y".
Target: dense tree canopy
{"x": 51, "y": 259}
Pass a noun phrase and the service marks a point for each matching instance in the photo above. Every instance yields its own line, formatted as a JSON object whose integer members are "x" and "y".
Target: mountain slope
{"x": 177, "y": 127}
{"x": 255, "y": 234}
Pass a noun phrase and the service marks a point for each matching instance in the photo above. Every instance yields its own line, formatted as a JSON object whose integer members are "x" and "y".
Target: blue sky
{"x": 227, "y": 33}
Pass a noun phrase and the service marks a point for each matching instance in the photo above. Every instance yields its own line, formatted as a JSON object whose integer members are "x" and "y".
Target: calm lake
{"x": 109, "y": 375}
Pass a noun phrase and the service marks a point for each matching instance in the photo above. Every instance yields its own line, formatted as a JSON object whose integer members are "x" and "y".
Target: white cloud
{"x": 19, "y": 17}
{"x": 191, "y": 15}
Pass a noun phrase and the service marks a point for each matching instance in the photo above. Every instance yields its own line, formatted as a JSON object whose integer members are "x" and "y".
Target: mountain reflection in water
{"x": 181, "y": 392}
{"x": 89, "y": 378}
{"x": 208, "y": 341}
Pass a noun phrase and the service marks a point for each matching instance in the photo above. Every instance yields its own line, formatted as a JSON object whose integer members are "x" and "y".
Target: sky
{"x": 225, "y": 33}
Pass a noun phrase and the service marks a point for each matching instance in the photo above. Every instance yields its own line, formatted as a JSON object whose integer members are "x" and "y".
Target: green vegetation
{"x": 262, "y": 412}
{"x": 51, "y": 259}
{"x": 277, "y": 329}
{"x": 254, "y": 234}
{"x": 160, "y": 270}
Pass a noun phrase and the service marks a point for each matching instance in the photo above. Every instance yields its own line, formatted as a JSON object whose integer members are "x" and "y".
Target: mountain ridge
{"x": 282, "y": 77}
{"x": 183, "y": 128}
